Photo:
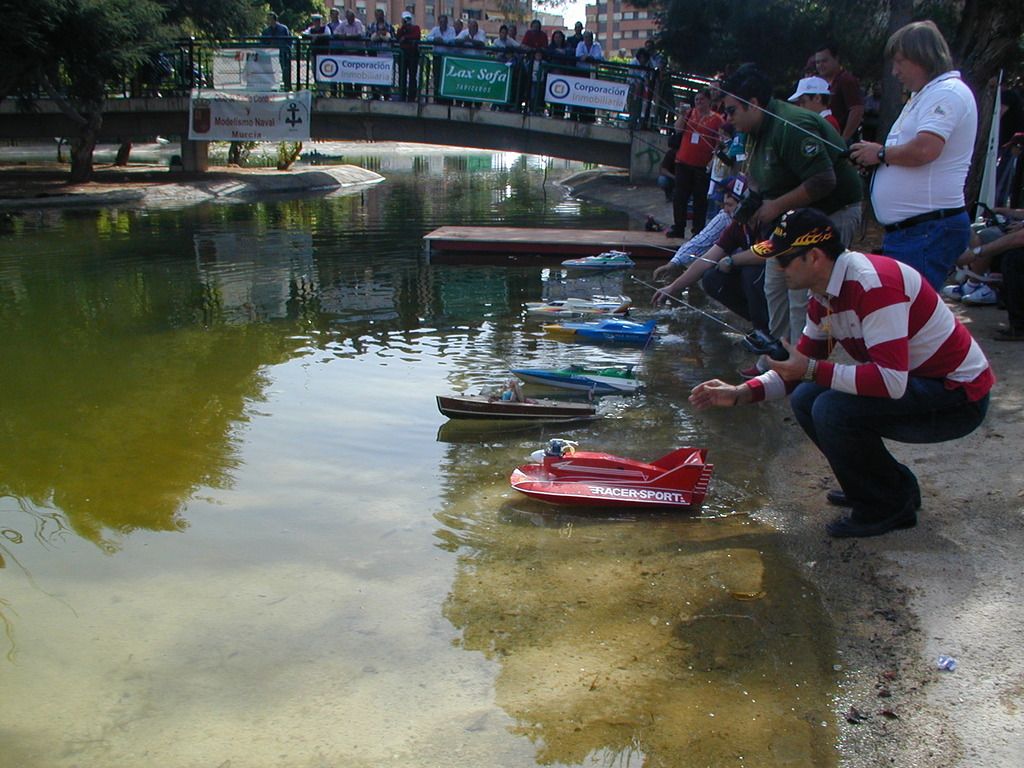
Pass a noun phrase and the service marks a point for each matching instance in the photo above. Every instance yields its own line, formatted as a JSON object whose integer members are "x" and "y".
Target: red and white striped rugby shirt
{"x": 893, "y": 324}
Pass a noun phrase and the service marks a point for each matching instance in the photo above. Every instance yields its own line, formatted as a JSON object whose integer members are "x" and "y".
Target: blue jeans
{"x": 849, "y": 429}
{"x": 931, "y": 247}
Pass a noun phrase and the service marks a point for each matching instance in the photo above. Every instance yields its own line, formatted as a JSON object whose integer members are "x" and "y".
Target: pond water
{"x": 235, "y": 530}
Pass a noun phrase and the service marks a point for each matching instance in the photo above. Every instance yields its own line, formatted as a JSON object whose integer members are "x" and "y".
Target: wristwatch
{"x": 812, "y": 369}
{"x": 976, "y": 250}
{"x": 727, "y": 261}
{"x": 881, "y": 156}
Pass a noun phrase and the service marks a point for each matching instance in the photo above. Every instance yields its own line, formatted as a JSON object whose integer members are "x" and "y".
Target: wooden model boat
{"x": 484, "y": 407}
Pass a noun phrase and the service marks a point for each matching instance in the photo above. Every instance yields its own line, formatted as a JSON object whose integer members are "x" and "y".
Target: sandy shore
{"x": 949, "y": 586}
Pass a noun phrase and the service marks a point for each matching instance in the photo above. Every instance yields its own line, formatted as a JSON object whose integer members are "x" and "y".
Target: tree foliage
{"x": 780, "y": 35}
{"x": 72, "y": 50}
{"x": 215, "y": 18}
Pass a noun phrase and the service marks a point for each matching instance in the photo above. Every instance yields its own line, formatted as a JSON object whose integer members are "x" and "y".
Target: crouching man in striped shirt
{"x": 918, "y": 375}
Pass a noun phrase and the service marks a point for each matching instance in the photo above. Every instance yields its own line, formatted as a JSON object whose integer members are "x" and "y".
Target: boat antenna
{"x": 686, "y": 304}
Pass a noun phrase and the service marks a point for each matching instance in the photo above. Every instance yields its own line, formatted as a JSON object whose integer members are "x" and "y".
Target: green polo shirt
{"x": 782, "y": 157}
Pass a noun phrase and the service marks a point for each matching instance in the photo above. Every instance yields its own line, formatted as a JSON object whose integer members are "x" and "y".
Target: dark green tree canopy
{"x": 710, "y": 36}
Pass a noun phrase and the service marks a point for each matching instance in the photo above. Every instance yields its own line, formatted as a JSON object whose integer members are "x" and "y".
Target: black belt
{"x": 913, "y": 221}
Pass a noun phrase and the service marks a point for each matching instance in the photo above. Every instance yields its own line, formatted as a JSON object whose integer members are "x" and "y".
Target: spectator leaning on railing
{"x": 408, "y": 36}
{"x": 535, "y": 37}
{"x": 441, "y": 37}
{"x": 379, "y": 18}
{"x": 335, "y": 20}
{"x": 472, "y": 36}
{"x": 351, "y": 28}
{"x": 275, "y": 28}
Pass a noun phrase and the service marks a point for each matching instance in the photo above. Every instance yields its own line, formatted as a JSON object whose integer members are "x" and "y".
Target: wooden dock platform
{"x": 470, "y": 243}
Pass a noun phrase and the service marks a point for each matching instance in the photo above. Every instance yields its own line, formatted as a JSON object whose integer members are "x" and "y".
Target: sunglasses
{"x": 784, "y": 260}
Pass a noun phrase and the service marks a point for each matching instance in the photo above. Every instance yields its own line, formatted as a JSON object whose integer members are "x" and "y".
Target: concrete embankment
{"x": 24, "y": 187}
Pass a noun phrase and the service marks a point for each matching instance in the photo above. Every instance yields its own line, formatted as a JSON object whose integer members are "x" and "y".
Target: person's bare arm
{"x": 921, "y": 150}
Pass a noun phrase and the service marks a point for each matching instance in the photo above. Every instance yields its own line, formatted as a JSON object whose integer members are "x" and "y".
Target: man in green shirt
{"x": 796, "y": 160}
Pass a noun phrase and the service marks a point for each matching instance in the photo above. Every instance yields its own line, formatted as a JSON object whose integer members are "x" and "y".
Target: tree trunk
{"x": 82, "y": 146}
{"x": 123, "y": 152}
{"x": 900, "y": 14}
{"x": 986, "y": 41}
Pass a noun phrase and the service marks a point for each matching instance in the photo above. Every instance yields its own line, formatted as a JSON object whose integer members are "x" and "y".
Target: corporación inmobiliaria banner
{"x": 245, "y": 102}
{"x": 376, "y": 70}
{"x": 584, "y": 92}
{"x": 468, "y": 79}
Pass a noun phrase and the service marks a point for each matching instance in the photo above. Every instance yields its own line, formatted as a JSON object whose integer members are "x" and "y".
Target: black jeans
{"x": 849, "y": 430}
{"x": 741, "y": 290}
{"x": 1011, "y": 264}
{"x": 690, "y": 182}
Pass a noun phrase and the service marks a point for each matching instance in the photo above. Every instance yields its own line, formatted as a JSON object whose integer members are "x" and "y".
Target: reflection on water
{"x": 348, "y": 580}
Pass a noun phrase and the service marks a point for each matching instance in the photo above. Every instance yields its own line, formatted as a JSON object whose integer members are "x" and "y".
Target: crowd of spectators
{"x": 917, "y": 375}
{"x": 533, "y": 53}
{"x": 816, "y": 151}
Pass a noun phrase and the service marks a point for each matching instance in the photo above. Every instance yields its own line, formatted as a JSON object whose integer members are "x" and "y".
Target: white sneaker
{"x": 959, "y": 292}
{"x": 982, "y": 296}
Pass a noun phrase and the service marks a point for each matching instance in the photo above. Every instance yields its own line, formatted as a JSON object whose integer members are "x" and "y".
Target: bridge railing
{"x": 651, "y": 105}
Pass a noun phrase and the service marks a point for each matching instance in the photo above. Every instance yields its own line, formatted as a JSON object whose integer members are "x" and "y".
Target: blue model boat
{"x": 599, "y": 381}
{"x": 606, "y": 260}
{"x": 607, "y": 329}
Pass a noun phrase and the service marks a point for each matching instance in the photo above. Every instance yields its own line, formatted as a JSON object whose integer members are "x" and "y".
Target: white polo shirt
{"x": 946, "y": 108}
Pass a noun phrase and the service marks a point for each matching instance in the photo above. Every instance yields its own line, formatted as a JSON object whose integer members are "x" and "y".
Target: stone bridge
{"x": 137, "y": 119}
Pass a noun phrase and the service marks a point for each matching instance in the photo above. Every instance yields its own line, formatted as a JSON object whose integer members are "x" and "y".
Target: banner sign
{"x": 584, "y": 92}
{"x": 237, "y": 116}
{"x": 475, "y": 79}
{"x": 247, "y": 69}
{"x": 359, "y": 70}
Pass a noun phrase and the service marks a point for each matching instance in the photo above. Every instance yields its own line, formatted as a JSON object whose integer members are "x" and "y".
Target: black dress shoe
{"x": 676, "y": 232}
{"x": 848, "y": 528}
{"x": 837, "y": 498}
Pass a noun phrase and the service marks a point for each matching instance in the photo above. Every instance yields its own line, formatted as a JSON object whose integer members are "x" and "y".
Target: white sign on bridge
{"x": 361, "y": 70}
{"x": 584, "y": 92}
{"x": 248, "y": 116}
{"x": 247, "y": 69}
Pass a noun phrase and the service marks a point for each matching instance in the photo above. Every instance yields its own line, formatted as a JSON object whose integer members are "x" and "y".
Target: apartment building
{"x": 621, "y": 28}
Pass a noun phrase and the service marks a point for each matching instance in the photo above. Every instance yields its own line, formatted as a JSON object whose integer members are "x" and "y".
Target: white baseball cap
{"x": 810, "y": 86}
{"x": 406, "y": 15}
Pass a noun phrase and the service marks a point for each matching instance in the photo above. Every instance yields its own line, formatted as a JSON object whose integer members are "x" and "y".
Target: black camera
{"x": 760, "y": 343}
{"x": 750, "y": 201}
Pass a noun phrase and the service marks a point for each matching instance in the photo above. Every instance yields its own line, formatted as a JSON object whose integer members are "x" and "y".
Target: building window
{"x": 617, "y": 16}
{"x": 602, "y": 17}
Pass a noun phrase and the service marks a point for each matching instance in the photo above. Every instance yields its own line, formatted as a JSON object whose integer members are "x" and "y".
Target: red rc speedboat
{"x": 564, "y": 475}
